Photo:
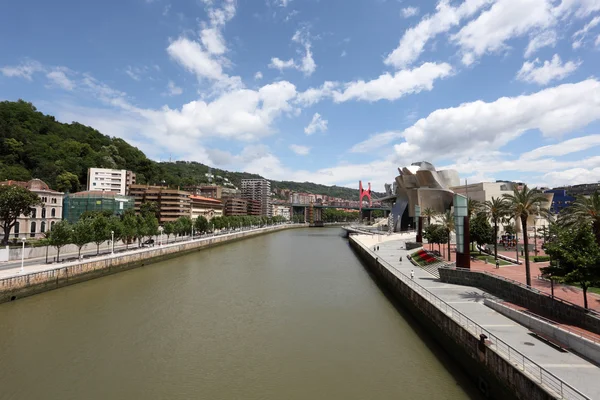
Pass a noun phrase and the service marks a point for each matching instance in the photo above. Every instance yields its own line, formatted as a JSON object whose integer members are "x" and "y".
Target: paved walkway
{"x": 569, "y": 367}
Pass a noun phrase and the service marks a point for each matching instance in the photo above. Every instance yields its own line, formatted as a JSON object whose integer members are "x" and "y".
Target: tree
{"x": 81, "y": 234}
{"x": 150, "y": 207}
{"x": 473, "y": 207}
{"x": 183, "y": 225}
{"x": 67, "y": 182}
{"x": 429, "y": 213}
{"x": 523, "y": 203}
{"x": 151, "y": 225}
{"x": 60, "y": 235}
{"x": 15, "y": 201}
{"x": 116, "y": 227}
{"x": 448, "y": 226}
{"x": 584, "y": 210}
{"x": 128, "y": 227}
{"x": 100, "y": 230}
{"x": 201, "y": 224}
{"x": 480, "y": 230}
{"x": 168, "y": 229}
{"x": 575, "y": 257}
{"x": 496, "y": 209}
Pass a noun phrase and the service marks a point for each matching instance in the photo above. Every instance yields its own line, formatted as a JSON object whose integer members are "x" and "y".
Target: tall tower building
{"x": 258, "y": 190}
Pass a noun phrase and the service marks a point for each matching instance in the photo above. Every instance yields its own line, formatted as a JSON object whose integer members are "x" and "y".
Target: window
{"x": 44, "y": 212}
{"x": 17, "y": 229}
{"x": 44, "y": 199}
{"x": 33, "y": 213}
{"x": 53, "y": 200}
{"x": 53, "y": 212}
{"x": 43, "y": 227}
{"x": 32, "y": 230}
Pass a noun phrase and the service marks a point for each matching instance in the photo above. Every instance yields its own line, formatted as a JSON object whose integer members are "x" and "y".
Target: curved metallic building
{"x": 421, "y": 184}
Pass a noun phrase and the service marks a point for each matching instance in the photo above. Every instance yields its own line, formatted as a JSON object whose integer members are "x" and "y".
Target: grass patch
{"x": 490, "y": 259}
{"x": 594, "y": 290}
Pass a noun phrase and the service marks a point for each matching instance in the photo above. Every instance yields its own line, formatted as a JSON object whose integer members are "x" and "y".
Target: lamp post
{"x": 112, "y": 242}
{"x": 23, "y": 239}
{"x": 192, "y": 232}
{"x": 160, "y": 229}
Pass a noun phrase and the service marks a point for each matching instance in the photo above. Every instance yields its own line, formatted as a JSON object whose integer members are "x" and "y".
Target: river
{"x": 288, "y": 315}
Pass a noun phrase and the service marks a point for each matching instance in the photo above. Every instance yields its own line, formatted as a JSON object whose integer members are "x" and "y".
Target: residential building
{"x": 205, "y": 207}
{"x": 42, "y": 217}
{"x": 585, "y": 189}
{"x": 210, "y": 191}
{"x": 230, "y": 192}
{"x": 235, "y": 206}
{"x": 282, "y": 211}
{"x": 258, "y": 189}
{"x": 560, "y": 200}
{"x": 172, "y": 203}
{"x": 78, "y": 203}
{"x": 254, "y": 208}
{"x": 110, "y": 180}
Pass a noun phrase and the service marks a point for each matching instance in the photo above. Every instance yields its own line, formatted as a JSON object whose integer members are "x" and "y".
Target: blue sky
{"x": 329, "y": 91}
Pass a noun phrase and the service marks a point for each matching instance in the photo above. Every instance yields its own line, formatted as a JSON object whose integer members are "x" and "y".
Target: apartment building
{"x": 254, "y": 208}
{"x": 172, "y": 203}
{"x": 205, "y": 207}
{"x": 282, "y": 211}
{"x": 110, "y": 180}
{"x": 210, "y": 191}
{"x": 260, "y": 190}
{"x": 235, "y": 206}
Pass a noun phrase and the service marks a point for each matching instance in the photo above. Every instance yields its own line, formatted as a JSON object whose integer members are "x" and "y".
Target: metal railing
{"x": 532, "y": 289}
{"x": 547, "y": 380}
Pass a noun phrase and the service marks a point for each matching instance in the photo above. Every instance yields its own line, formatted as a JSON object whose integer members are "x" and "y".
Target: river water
{"x": 289, "y": 315}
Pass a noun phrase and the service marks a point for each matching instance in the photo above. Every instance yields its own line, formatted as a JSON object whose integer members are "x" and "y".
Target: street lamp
{"x": 160, "y": 229}
{"x": 192, "y": 232}
{"x": 112, "y": 242}
{"x": 23, "y": 239}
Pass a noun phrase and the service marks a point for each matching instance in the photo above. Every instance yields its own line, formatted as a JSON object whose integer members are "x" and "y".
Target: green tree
{"x": 480, "y": 229}
{"x": 60, "y": 236}
{"x": 473, "y": 207}
{"x": 523, "y": 203}
{"x": 115, "y": 225}
{"x": 150, "y": 207}
{"x": 184, "y": 225}
{"x": 429, "y": 213}
{"x": 201, "y": 224}
{"x": 168, "y": 229}
{"x": 496, "y": 209}
{"x": 81, "y": 234}
{"x": 584, "y": 210}
{"x": 67, "y": 182}
{"x": 100, "y": 230}
{"x": 448, "y": 226}
{"x": 575, "y": 257}
{"x": 128, "y": 227}
{"x": 151, "y": 225}
{"x": 15, "y": 201}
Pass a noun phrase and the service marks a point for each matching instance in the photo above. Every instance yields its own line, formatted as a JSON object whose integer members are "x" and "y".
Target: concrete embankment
{"x": 19, "y": 286}
{"x": 496, "y": 376}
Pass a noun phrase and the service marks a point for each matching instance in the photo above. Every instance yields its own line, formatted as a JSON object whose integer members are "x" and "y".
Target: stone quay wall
{"x": 497, "y": 376}
{"x": 534, "y": 300}
{"x": 20, "y": 286}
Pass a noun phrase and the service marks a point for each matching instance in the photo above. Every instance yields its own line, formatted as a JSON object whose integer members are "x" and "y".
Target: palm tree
{"x": 584, "y": 211}
{"x": 473, "y": 206}
{"x": 429, "y": 213}
{"x": 523, "y": 203}
{"x": 448, "y": 225}
{"x": 495, "y": 209}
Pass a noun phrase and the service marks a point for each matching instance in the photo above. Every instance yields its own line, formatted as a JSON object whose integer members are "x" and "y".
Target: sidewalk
{"x": 568, "y": 367}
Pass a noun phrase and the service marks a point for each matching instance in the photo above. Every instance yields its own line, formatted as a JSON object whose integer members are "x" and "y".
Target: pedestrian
{"x": 377, "y": 248}
{"x": 497, "y": 264}
{"x": 412, "y": 274}
{"x": 400, "y": 259}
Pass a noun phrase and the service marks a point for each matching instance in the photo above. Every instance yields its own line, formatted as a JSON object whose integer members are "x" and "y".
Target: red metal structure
{"x": 364, "y": 193}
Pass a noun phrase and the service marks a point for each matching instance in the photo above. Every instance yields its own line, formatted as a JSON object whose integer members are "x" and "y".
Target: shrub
{"x": 541, "y": 258}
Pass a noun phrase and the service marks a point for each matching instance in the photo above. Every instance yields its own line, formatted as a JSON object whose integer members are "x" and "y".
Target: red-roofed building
{"x": 206, "y": 207}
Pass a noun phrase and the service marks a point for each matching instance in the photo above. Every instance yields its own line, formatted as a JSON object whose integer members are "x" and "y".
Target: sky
{"x": 328, "y": 91}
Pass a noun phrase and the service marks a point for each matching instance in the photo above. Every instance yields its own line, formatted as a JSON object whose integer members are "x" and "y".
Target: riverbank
{"x": 42, "y": 278}
{"x": 509, "y": 363}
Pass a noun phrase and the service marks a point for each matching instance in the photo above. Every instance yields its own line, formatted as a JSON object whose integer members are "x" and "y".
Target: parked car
{"x": 148, "y": 243}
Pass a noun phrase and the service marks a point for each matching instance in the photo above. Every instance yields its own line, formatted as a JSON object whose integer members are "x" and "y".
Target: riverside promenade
{"x": 566, "y": 367}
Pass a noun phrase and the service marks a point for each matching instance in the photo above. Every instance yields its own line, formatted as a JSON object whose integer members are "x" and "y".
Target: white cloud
{"x": 540, "y": 40}
{"x": 480, "y": 127}
{"x": 220, "y": 16}
{"x": 282, "y": 3}
{"x": 213, "y": 41}
{"x": 409, "y": 12}
{"x": 258, "y": 76}
{"x": 574, "y": 176}
{"x": 579, "y": 36}
{"x": 173, "y": 90}
{"x": 24, "y": 70}
{"x": 533, "y": 72}
{"x": 376, "y": 141}
{"x": 316, "y": 124}
{"x": 279, "y": 64}
{"x": 343, "y": 53}
{"x": 300, "y": 150}
{"x": 314, "y": 95}
{"x": 563, "y": 148}
{"x": 59, "y": 78}
{"x": 308, "y": 65}
{"x": 392, "y": 87}
{"x": 134, "y": 73}
{"x": 597, "y": 42}
{"x": 504, "y": 20}
{"x": 414, "y": 39}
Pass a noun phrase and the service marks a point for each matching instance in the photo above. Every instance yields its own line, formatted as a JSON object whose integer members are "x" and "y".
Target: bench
{"x": 550, "y": 341}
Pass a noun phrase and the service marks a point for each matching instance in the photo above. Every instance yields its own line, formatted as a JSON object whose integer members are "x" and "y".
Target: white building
{"x": 110, "y": 180}
{"x": 282, "y": 211}
{"x": 258, "y": 189}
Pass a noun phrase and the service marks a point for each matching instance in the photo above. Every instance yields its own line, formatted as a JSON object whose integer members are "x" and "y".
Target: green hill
{"x": 34, "y": 145}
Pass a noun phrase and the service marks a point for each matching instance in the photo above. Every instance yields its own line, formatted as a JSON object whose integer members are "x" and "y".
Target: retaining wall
{"x": 494, "y": 375}
{"x": 26, "y": 285}
{"x": 535, "y": 301}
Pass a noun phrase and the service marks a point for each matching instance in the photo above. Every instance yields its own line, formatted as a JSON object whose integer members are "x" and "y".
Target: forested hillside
{"x": 34, "y": 145}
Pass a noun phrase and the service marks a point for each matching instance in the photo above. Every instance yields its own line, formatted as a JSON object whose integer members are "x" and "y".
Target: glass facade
{"x": 77, "y": 203}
